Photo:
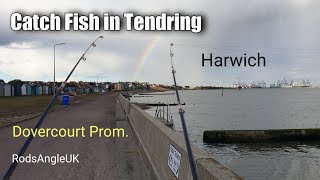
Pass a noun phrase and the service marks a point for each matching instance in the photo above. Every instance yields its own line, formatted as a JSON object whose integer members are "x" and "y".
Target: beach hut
{"x": 91, "y": 90}
{"x": 39, "y": 90}
{"x": 80, "y": 90}
{"x": 1, "y": 90}
{"x": 12, "y": 90}
{"x": 17, "y": 90}
{"x": 2, "y": 83}
{"x": 28, "y": 90}
{"x": 50, "y": 90}
{"x": 70, "y": 89}
{"x": 7, "y": 90}
{"x": 24, "y": 90}
{"x": 45, "y": 90}
{"x": 77, "y": 90}
{"x": 33, "y": 89}
{"x": 2, "y": 87}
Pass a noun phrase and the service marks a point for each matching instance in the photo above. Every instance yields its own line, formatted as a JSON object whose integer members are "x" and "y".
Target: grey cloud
{"x": 278, "y": 29}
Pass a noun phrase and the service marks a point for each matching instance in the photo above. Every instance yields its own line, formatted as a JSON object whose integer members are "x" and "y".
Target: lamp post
{"x": 54, "y": 67}
{"x": 98, "y": 81}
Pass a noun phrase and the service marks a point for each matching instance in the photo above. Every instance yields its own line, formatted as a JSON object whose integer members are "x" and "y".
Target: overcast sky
{"x": 285, "y": 32}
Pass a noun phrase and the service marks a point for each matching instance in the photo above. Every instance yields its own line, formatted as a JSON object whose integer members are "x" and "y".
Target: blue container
{"x": 65, "y": 100}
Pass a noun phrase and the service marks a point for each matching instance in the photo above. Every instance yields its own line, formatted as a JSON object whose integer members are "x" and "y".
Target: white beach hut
{"x": 7, "y": 90}
{"x": 45, "y": 90}
{"x": 24, "y": 90}
{"x": 40, "y": 90}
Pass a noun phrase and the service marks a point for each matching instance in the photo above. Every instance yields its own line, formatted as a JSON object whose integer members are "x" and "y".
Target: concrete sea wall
{"x": 154, "y": 145}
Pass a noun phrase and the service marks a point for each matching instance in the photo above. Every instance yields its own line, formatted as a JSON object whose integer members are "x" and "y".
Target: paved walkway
{"x": 100, "y": 158}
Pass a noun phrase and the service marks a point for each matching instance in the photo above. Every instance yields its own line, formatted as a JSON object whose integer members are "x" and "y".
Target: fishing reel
{"x": 181, "y": 111}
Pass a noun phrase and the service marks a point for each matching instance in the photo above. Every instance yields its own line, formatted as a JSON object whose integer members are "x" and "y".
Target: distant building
{"x": 118, "y": 86}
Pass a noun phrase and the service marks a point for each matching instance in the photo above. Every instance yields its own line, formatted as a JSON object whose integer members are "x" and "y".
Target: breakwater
{"x": 234, "y": 136}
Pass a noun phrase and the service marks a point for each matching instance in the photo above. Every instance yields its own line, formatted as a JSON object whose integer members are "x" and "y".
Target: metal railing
{"x": 163, "y": 112}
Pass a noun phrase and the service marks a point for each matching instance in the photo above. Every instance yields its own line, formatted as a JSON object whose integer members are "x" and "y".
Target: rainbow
{"x": 144, "y": 56}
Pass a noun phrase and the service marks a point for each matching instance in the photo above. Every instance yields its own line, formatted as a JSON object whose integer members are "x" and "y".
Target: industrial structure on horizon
{"x": 280, "y": 84}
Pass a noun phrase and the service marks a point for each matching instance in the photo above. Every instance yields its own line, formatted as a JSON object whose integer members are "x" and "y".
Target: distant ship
{"x": 285, "y": 84}
{"x": 278, "y": 85}
{"x": 240, "y": 85}
{"x": 243, "y": 85}
{"x": 261, "y": 84}
{"x": 303, "y": 84}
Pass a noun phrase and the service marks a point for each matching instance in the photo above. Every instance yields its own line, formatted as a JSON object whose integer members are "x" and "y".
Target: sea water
{"x": 252, "y": 109}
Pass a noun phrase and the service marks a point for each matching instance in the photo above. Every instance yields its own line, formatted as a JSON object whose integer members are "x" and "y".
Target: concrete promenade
{"x": 100, "y": 158}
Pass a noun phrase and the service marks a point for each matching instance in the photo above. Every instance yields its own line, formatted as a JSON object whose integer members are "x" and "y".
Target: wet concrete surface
{"x": 100, "y": 157}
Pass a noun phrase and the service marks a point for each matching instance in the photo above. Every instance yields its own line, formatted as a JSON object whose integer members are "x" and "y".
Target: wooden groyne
{"x": 156, "y": 94}
{"x": 237, "y": 136}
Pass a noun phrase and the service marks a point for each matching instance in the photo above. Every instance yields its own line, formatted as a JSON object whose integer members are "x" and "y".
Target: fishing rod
{"x": 43, "y": 116}
{"x": 181, "y": 112}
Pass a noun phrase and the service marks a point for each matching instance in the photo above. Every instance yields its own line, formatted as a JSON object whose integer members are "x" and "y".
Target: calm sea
{"x": 253, "y": 109}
